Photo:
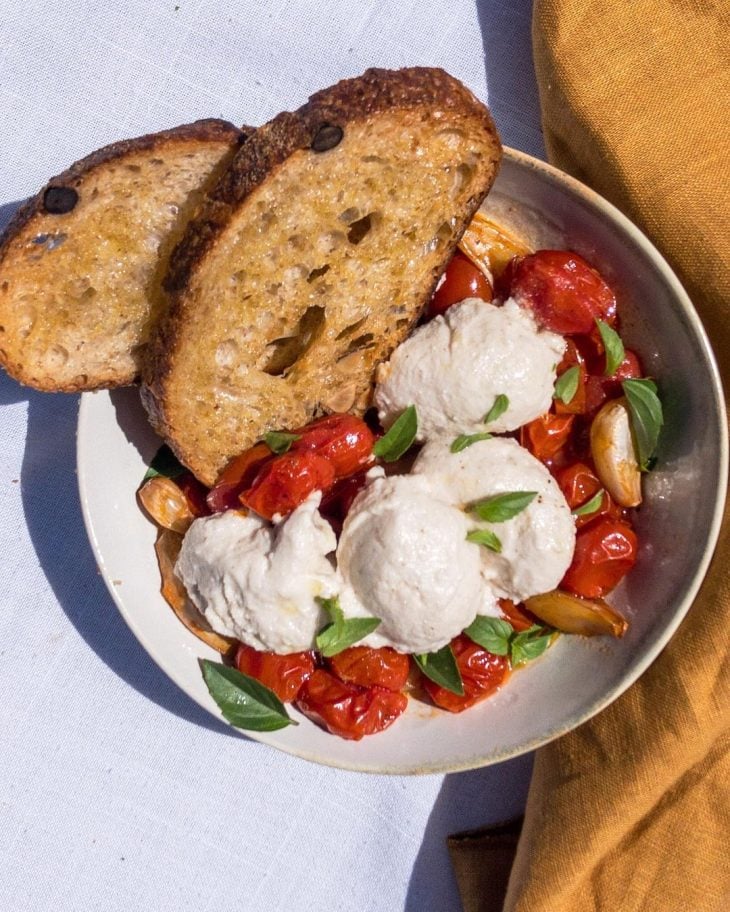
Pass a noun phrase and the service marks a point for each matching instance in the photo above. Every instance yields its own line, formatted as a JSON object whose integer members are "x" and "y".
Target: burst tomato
{"x": 605, "y": 551}
{"x": 517, "y": 615}
{"x": 285, "y": 482}
{"x": 344, "y": 440}
{"x": 369, "y": 667}
{"x": 482, "y": 673}
{"x": 284, "y": 674}
{"x": 462, "y": 279}
{"x": 564, "y": 292}
{"x": 348, "y": 710}
{"x": 544, "y": 436}
{"x": 195, "y": 492}
{"x": 236, "y": 477}
{"x": 337, "y": 501}
{"x": 573, "y": 358}
{"x": 601, "y": 388}
{"x": 579, "y": 483}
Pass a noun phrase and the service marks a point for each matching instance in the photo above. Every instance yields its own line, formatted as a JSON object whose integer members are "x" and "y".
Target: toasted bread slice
{"x": 313, "y": 258}
{"x": 82, "y": 261}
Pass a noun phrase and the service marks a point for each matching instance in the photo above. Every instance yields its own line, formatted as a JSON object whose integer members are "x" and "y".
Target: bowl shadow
{"x": 55, "y": 523}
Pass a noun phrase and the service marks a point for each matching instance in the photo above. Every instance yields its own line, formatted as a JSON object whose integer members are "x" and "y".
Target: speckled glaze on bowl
{"x": 677, "y": 525}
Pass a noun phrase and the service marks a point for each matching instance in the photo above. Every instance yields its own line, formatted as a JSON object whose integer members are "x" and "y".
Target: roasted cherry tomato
{"x": 369, "y": 667}
{"x": 482, "y": 673}
{"x": 337, "y": 501}
{"x": 285, "y": 482}
{"x": 348, "y": 710}
{"x": 579, "y": 483}
{"x": 195, "y": 492}
{"x": 605, "y": 551}
{"x": 344, "y": 440}
{"x": 564, "y": 292}
{"x": 600, "y": 388}
{"x": 284, "y": 674}
{"x": 544, "y": 436}
{"x": 573, "y": 358}
{"x": 236, "y": 477}
{"x": 518, "y": 616}
{"x": 462, "y": 279}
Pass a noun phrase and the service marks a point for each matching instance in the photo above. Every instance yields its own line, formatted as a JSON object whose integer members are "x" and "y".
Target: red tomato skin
{"x": 371, "y": 667}
{"x": 482, "y": 673}
{"x": 605, "y": 551}
{"x": 546, "y": 435}
{"x": 344, "y": 440}
{"x": 462, "y": 279}
{"x": 195, "y": 492}
{"x": 285, "y": 482}
{"x": 346, "y": 709}
{"x": 337, "y": 501}
{"x": 573, "y": 358}
{"x": 564, "y": 292}
{"x": 600, "y": 388}
{"x": 284, "y": 674}
{"x": 518, "y": 616}
{"x": 236, "y": 477}
{"x": 579, "y": 483}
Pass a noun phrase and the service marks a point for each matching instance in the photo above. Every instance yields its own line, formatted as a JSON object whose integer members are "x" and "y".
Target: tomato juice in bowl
{"x": 576, "y": 677}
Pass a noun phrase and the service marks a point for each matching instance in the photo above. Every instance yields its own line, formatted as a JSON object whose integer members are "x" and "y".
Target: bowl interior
{"x": 677, "y": 525}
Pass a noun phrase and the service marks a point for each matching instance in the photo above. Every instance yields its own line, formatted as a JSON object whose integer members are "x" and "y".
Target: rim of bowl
{"x": 642, "y": 662}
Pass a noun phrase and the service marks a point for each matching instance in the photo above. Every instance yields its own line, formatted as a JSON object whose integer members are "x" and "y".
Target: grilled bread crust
{"x": 81, "y": 263}
{"x": 312, "y": 259}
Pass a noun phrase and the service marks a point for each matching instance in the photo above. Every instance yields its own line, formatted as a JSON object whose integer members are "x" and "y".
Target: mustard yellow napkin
{"x": 632, "y": 810}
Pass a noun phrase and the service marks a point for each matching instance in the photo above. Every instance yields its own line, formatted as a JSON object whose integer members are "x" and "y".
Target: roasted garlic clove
{"x": 167, "y": 548}
{"x": 613, "y": 453}
{"x": 582, "y": 616}
{"x": 489, "y": 246}
{"x": 166, "y": 503}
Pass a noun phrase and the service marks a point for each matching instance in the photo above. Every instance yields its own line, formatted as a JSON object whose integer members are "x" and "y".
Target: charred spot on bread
{"x": 60, "y": 200}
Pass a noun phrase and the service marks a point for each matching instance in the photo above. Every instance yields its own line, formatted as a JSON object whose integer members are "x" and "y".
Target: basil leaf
{"x": 501, "y": 404}
{"x": 647, "y": 418}
{"x": 442, "y": 669}
{"x": 485, "y": 537}
{"x": 399, "y": 438}
{"x": 615, "y": 351}
{"x": 566, "y": 386}
{"x": 465, "y": 440}
{"x": 166, "y": 463}
{"x": 280, "y": 441}
{"x": 590, "y": 506}
{"x": 341, "y": 633}
{"x": 492, "y": 634}
{"x": 501, "y": 507}
{"x": 243, "y": 700}
{"x": 529, "y": 644}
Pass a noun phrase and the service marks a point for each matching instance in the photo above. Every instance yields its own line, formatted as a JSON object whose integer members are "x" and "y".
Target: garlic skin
{"x": 612, "y": 449}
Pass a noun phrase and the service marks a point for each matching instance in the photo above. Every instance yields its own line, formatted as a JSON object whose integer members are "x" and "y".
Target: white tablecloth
{"x": 116, "y": 791}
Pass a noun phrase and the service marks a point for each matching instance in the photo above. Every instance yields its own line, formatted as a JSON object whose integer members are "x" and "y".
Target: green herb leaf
{"x": 492, "y": 634}
{"x": 529, "y": 644}
{"x": 399, "y": 438}
{"x": 280, "y": 441}
{"x": 341, "y": 633}
{"x": 566, "y": 386}
{"x": 164, "y": 463}
{"x": 485, "y": 537}
{"x": 590, "y": 506}
{"x": 243, "y": 700}
{"x": 465, "y": 440}
{"x": 615, "y": 351}
{"x": 442, "y": 669}
{"x": 647, "y": 418}
{"x": 501, "y": 507}
{"x": 501, "y": 404}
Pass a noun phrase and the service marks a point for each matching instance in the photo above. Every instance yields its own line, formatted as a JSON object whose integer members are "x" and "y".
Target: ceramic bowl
{"x": 677, "y": 525}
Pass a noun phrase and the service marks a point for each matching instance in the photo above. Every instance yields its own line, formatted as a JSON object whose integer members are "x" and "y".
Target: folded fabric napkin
{"x": 632, "y": 810}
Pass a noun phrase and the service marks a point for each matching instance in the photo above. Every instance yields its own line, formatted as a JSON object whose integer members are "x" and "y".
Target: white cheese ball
{"x": 538, "y": 543}
{"x": 403, "y": 557}
{"x": 258, "y": 582}
{"x": 453, "y": 368}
